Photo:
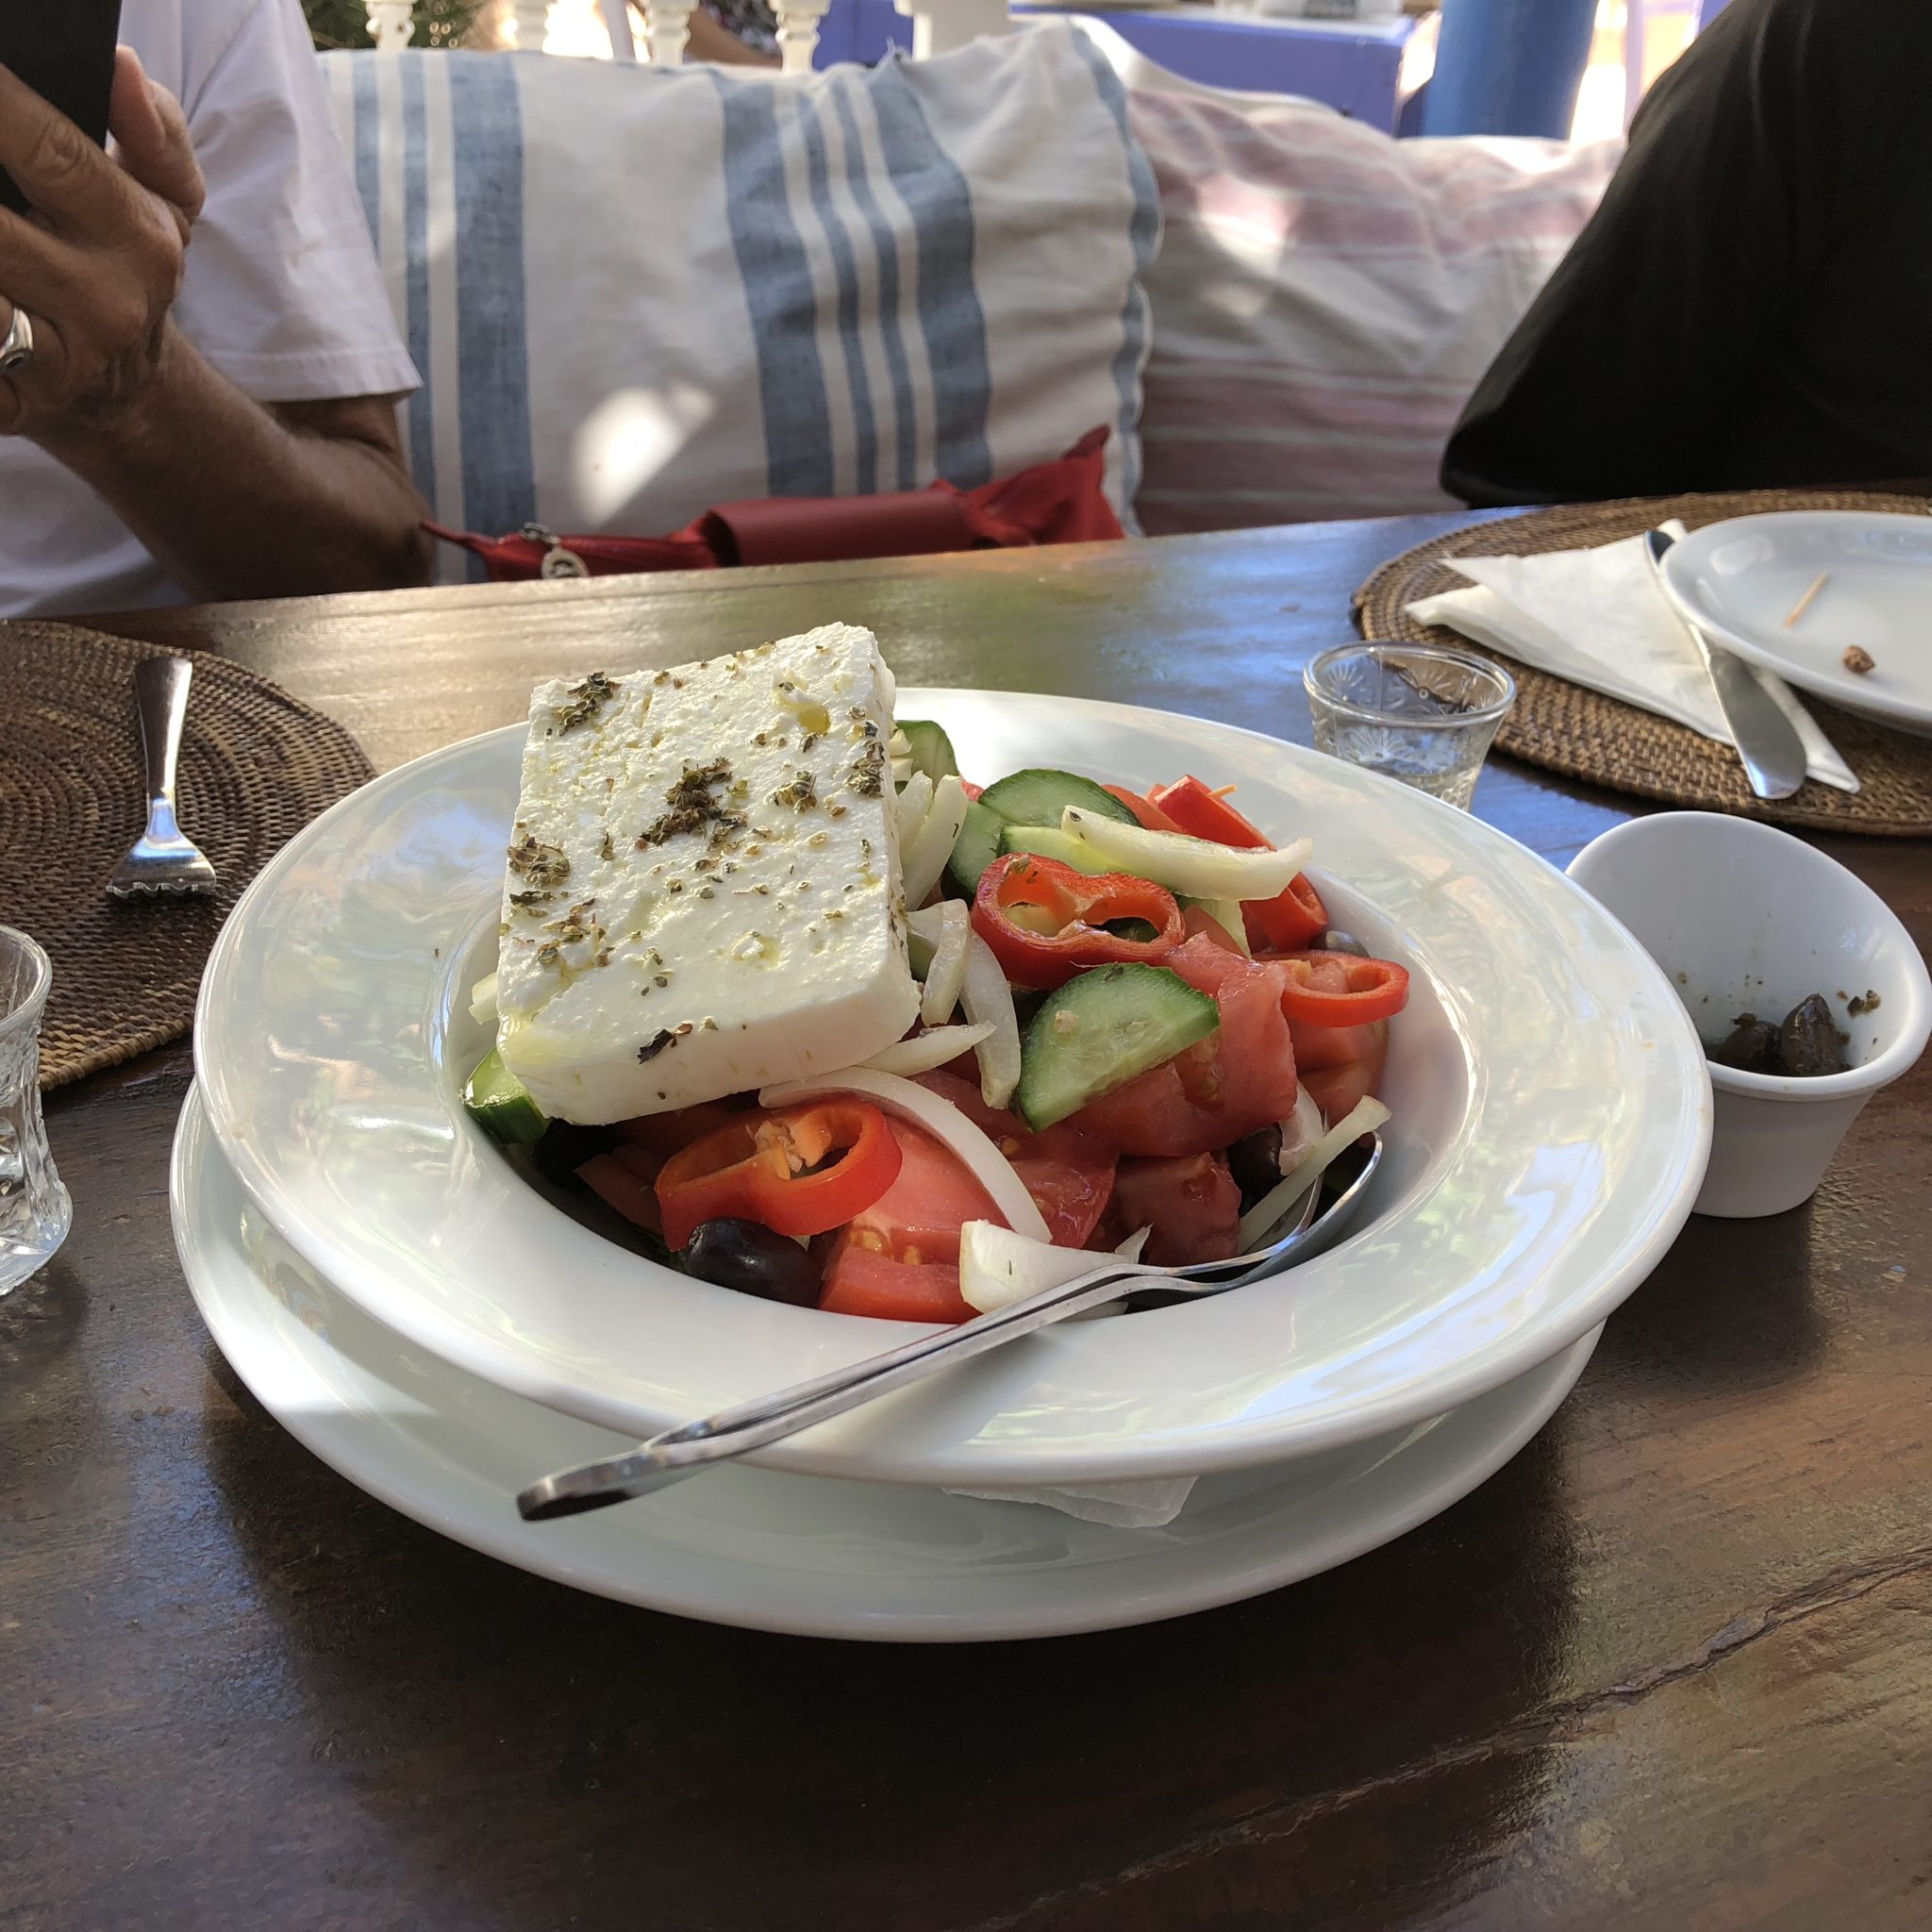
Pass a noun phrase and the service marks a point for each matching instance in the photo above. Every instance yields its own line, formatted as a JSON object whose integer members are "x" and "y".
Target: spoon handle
{"x": 678, "y": 1453}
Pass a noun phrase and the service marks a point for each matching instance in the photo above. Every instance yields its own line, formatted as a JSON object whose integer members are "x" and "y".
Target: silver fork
{"x": 678, "y": 1452}
{"x": 161, "y": 859}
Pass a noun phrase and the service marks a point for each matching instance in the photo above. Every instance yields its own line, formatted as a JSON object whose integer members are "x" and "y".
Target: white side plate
{"x": 806, "y": 1555}
{"x": 1739, "y": 580}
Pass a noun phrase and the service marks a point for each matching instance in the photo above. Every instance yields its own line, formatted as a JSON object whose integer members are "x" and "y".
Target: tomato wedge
{"x": 1069, "y": 1174}
{"x": 1316, "y": 1047}
{"x": 621, "y": 1179}
{"x": 899, "y": 1258}
{"x": 1150, "y": 817}
{"x": 1293, "y": 917}
{"x": 1199, "y": 925}
{"x": 860, "y": 1281}
{"x": 1190, "y": 1201}
{"x": 1046, "y": 922}
{"x": 1339, "y": 989}
{"x": 800, "y": 1170}
{"x": 1338, "y": 1090}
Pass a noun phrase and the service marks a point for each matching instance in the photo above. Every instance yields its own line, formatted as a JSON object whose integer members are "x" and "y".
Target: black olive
{"x": 1254, "y": 1162}
{"x": 1751, "y": 1046}
{"x": 1808, "y": 1043}
{"x": 753, "y": 1259}
{"x": 1333, "y": 941}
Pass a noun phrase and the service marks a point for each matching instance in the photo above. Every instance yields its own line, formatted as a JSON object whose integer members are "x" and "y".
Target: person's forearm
{"x": 233, "y": 502}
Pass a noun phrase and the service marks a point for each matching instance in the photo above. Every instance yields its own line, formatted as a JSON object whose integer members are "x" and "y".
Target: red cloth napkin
{"x": 1052, "y": 503}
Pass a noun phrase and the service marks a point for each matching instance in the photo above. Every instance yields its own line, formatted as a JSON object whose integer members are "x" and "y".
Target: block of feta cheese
{"x": 702, "y": 891}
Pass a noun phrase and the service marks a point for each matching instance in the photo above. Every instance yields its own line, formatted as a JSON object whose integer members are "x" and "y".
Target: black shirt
{"x": 1751, "y": 306}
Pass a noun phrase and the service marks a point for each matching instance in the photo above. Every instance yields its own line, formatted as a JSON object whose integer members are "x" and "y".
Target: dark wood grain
{"x": 1671, "y": 1668}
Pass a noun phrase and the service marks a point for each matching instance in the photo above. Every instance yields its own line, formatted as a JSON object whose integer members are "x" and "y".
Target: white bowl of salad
{"x": 805, "y": 1010}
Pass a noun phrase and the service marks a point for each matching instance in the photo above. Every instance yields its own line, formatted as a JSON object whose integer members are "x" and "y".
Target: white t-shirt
{"x": 282, "y": 292}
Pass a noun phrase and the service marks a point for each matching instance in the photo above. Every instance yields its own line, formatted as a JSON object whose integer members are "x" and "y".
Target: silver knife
{"x": 1768, "y": 742}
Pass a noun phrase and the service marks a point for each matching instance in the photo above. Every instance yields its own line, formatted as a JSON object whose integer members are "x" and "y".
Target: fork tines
{"x": 159, "y": 867}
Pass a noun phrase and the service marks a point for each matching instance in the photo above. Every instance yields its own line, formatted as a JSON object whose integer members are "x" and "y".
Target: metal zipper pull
{"x": 557, "y": 561}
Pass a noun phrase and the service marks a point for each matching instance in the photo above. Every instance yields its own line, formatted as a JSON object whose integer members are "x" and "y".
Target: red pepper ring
{"x": 1069, "y": 913}
{"x": 1290, "y": 919}
{"x": 1202, "y": 812}
{"x": 1339, "y": 989}
{"x": 773, "y": 1168}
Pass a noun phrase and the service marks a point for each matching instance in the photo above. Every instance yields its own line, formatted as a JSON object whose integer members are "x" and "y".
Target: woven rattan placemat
{"x": 256, "y": 767}
{"x": 1601, "y": 740}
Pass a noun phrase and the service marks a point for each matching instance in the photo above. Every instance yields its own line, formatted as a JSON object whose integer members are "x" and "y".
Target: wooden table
{"x": 1671, "y": 1668}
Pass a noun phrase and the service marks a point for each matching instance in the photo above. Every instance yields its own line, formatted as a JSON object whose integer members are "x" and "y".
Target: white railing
{"x": 937, "y": 26}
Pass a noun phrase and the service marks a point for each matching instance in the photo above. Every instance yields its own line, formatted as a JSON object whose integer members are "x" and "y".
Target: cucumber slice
{"x": 929, "y": 748}
{"x": 1039, "y": 797}
{"x": 974, "y": 849}
{"x": 1100, "y": 1030}
{"x": 1049, "y": 841}
{"x": 502, "y": 1105}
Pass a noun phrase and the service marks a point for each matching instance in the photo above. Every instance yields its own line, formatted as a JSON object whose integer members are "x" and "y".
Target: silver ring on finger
{"x": 17, "y": 346}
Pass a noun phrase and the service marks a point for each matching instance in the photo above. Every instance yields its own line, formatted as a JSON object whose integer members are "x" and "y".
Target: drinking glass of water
{"x": 1423, "y": 713}
{"x": 35, "y": 1211}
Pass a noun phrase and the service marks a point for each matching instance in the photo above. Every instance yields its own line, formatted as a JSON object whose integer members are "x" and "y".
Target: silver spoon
{"x": 678, "y": 1452}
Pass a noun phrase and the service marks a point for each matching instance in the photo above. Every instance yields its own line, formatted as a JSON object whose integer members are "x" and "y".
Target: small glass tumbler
{"x": 35, "y": 1213}
{"x": 1425, "y": 714}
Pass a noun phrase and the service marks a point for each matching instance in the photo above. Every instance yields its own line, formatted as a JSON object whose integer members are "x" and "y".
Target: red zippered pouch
{"x": 1061, "y": 502}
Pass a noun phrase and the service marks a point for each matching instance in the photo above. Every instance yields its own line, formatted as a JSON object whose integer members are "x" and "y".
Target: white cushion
{"x": 633, "y": 293}
{"x": 1326, "y": 297}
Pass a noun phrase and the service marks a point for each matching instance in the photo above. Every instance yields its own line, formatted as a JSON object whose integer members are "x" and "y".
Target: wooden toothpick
{"x": 1804, "y": 602}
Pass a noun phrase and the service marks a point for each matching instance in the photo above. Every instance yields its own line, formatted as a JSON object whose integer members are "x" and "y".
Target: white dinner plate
{"x": 808, "y": 1555}
{"x": 1740, "y": 579}
{"x": 1552, "y": 1120}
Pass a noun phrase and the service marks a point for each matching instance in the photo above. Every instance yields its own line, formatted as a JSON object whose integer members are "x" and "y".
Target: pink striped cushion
{"x": 1325, "y": 297}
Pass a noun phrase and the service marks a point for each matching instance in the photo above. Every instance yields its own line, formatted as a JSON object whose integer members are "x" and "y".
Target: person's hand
{"x": 98, "y": 264}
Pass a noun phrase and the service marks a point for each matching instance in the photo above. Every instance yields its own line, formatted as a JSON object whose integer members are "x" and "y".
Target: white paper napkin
{"x": 1600, "y": 618}
{"x": 1121, "y": 1506}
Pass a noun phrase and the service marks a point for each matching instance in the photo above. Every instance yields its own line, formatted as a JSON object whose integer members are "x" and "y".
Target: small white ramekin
{"x": 1744, "y": 918}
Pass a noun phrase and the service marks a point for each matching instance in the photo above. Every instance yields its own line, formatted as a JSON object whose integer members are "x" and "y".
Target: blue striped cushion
{"x": 633, "y": 294}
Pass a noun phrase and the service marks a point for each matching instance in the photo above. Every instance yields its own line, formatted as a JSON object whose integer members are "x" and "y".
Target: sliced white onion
{"x": 988, "y": 1001}
{"x": 925, "y": 857}
{"x": 1197, "y": 867}
{"x": 945, "y": 927}
{"x": 941, "y": 1119}
{"x": 998, "y": 1267}
{"x": 1299, "y": 1132}
{"x": 1363, "y": 1118}
{"x": 926, "y": 1051}
{"x": 483, "y": 1001}
{"x": 1128, "y": 1250}
{"x": 1226, "y": 914}
{"x": 910, "y": 808}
